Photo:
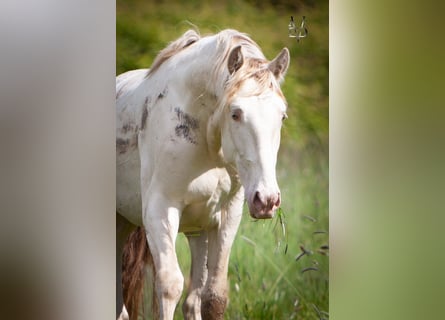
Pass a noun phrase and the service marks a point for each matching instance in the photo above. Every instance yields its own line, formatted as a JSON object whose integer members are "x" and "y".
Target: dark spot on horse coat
{"x": 186, "y": 127}
{"x": 122, "y": 145}
{"x": 145, "y": 112}
{"x": 126, "y": 127}
{"x": 129, "y": 127}
{"x": 163, "y": 93}
{"x": 144, "y": 118}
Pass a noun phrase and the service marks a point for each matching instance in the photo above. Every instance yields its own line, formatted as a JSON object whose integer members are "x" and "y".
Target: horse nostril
{"x": 266, "y": 203}
{"x": 257, "y": 200}
{"x": 278, "y": 202}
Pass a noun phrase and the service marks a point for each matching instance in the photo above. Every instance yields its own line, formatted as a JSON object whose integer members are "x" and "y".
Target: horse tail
{"x": 136, "y": 256}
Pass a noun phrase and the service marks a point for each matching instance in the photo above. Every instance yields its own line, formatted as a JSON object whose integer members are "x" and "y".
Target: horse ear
{"x": 236, "y": 59}
{"x": 279, "y": 65}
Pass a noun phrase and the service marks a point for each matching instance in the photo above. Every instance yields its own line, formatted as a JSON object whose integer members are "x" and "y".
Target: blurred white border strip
{"x": 57, "y": 120}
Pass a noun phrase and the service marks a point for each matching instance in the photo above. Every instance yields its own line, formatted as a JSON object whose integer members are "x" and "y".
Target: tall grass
{"x": 269, "y": 277}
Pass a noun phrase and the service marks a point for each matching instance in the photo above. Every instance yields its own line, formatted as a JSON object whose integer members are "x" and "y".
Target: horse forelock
{"x": 255, "y": 67}
{"x": 258, "y": 71}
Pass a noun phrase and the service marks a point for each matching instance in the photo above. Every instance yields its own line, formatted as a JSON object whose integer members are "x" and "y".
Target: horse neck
{"x": 199, "y": 69}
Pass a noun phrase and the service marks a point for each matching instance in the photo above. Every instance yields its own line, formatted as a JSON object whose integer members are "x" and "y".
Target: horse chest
{"x": 203, "y": 200}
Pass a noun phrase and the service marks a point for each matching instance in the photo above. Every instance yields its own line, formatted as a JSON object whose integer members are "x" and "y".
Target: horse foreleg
{"x": 191, "y": 307}
{"x": 161, "y": 222}
{"x": 214, "y": 296}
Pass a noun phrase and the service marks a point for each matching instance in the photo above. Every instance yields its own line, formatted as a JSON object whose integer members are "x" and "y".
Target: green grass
{"x": 264, "y": 281}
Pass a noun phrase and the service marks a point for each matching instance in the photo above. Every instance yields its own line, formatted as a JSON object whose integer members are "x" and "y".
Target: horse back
{"x": 128, "y": 115}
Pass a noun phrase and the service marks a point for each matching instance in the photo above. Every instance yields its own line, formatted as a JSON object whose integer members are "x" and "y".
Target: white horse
{"x": 197, "y": 134}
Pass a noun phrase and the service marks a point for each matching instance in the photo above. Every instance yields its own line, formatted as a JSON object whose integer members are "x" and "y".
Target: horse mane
{"x": 188, "y": 38}
{"x": 255, "y": 64}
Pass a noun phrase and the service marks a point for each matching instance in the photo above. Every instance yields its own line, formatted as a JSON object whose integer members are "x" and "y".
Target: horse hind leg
{"x": 191, "y": 307}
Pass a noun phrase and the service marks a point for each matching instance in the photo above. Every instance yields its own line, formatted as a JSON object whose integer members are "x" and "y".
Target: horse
{"x": 197, "y": 135}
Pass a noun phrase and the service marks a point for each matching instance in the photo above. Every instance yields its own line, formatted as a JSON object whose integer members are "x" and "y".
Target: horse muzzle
{"x": 263, "y": 205}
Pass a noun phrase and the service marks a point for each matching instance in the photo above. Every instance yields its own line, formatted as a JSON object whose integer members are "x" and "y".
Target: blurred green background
{"x": 266, "y": 280}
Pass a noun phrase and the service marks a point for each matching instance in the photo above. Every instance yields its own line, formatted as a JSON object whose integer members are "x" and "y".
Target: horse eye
{"x": 284, "y": 116}
{"x": 236, "y": 115}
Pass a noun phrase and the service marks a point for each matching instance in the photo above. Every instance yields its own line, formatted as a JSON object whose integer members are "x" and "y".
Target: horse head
{"x": 252, "y": 118}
